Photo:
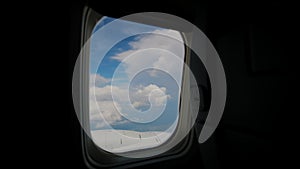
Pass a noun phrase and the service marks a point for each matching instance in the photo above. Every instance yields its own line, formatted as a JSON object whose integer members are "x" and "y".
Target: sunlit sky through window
{"x": 118, "y": 65}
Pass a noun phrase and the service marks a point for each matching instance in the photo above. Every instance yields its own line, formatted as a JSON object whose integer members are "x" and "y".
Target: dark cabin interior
{"x": 250, "y": 38}
{"x": 247, "y": 38}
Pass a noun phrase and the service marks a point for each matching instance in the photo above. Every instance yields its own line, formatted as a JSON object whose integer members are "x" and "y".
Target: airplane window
{"x": 133, "y": 101}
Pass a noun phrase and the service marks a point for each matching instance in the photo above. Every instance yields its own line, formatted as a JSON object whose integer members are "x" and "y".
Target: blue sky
{"x": 110, "y": 48}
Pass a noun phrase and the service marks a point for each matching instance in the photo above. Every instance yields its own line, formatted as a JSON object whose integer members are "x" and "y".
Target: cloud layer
{"x": 166, "y": 45}
{"x": 104, "y": 111}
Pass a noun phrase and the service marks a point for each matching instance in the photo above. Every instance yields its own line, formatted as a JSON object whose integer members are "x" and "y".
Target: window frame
{"x": 93, "y": 155}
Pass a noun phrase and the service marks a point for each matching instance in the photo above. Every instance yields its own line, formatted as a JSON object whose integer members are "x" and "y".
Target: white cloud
{"x": 107, "y": 110}
{"x": 158, "y": 39}
{"x": 165, "y": 39}
{"x": 123, "y": 55}
{"x": 103, "y": 109}
{"x": 140, "y": 97}
{"x": 104, "y": 113}
{"x": 140, "y": 58}
{"x": 98, "y": 80}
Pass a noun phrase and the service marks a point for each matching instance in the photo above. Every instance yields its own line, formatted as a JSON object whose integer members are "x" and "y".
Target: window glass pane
{"x": 132, "y": 109}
